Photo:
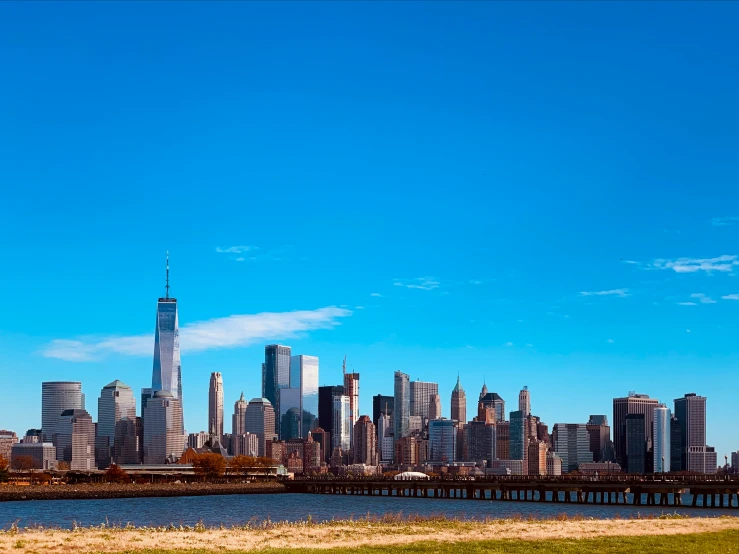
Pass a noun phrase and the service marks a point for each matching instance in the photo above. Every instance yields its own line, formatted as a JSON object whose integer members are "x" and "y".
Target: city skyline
{"x": 473, "y": 202}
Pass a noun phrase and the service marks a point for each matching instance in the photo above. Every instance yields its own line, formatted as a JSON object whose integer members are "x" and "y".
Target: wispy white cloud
{"x": 376, "y": 295}
{"x": 630, "y": 262}
{"x": 475, "y": 282}
{"x": 730, "y": 297}
{"x": 691, "y": 265}
{"x": 687, "y": 304}
{"x": 224, "y": 332}
{"x": 702, "y": 298}
{"x": 509, "y": 344}
{"x": 420, "y": 283}
{"x": 235, "y": 249}
{"x": 724, "y": 221}
{"x": 621, "y": 293}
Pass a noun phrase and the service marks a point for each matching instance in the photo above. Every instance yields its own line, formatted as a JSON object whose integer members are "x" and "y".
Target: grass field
{"x": 414, "y": 535}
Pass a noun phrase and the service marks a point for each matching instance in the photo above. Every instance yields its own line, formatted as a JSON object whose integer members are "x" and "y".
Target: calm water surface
{"x": 240, "y": 509}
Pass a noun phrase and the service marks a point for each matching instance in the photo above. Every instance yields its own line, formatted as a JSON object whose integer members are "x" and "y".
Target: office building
{"x": 385, "y": 438}
{"x": 312, "y": 454}
{"x": 495, "y": 401}
{"x": 735, "y": 461}
{"x": 275, "y": 373}
{"x": 676, "y": 445}
{"x": 7, "y": 440}
{"x": 75, "y": 440}
{"x": 690, "y": 411}
{"x": 458, "y": 403}
{"x": 326, "y": 409}
{"x": 116, "y": 402}
{"x": 421, "y": 392}
{"x": 260, "y": 421}
{"x": 238, "y": 424}
{"x": 381, "y": 405}
{"x": 434, "y": 410}
{"x": 503, "y": 440}
{"x": 215, "y": 406}
{"x": 480, "y": 440}
{"x": 402, "y": 405}
{"x": 524, "y": 401}
{"x": 128, "y": 441}
{"x": 351, "y": 389}
{"x": 33, "y": 435}
{"x": 622, "y": 407}
{"x": 442, "y": 440}
{"x": 304, "y": 377}
{"x": 518, "y": 436}
{"x": 341, "y": 437}
{"x": 33, "y": 455}
{"x": 636, "y": 444}
{"x": 572, "y": 444}
{"x": 289, "y": 416}
{"x": 537, "y": 457}
{"x": 365, "y": 442}
{"x": 246, "y": 444}
{"x": 321, "y": 437}
{"x": 711, "y": 460}
{"x": 661, "y": 436}
{"x": 197, "y": 441}
{"x": 163, "y": 438}
{"x": 599, "y": 433}
{"x": 57, "y": 397}
{"x": 167, "y": 370}
{"x": 554, "y": 464}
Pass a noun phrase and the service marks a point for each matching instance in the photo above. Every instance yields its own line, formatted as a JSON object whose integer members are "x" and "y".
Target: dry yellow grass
{"x": 345, "y": 534}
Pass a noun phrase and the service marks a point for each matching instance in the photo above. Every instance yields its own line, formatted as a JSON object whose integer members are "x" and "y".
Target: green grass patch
{"x": 723, "y": 542}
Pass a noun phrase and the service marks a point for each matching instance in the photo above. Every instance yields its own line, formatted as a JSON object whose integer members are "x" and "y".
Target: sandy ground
{"x": 345, "y": 534}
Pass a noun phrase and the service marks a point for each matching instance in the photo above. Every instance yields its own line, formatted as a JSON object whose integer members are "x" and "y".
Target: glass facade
{"x": 571, "y": 443}
{"x": 518, "y": 436}
{"x": 342, "y": 423}
{"x": 116, "y": 402}
{"x": 275, "y": 372}
{"x": 442, "y": 440}
{"x": 661, "y": 434}
{"x": 167, "y": 371}
{"x": 304, "y": 376}
{"x": 402, "y": 405}
{"x": 289, "y": 413}
{"x": 420, "y": 393}
{"x": 56, "y": 397}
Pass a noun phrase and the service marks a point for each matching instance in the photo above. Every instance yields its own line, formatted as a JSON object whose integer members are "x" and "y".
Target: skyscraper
{"x": 128, "y": 444}
{"x": 524, "y": 401}
{"x": 495, "y": 401}
{"x": 326, "y": 411}
{"x": 351, "y": 389}
{"x": 420, "y": 394}
{"x": 304, "y": 377}
{"x": 632, "y": 404}
{"x": 381, "y": 405}
{"x": 636, "y": 443}
{"x": 600, "y": 435}
{"x": 116, "y": 402}
{"x": 442, "y": 440}
{"x": 402, "y": 405}
{"x": 260, "y": 420}
{"x": 459, "y": 403}
{"x": 56, "y": 397}
{"x": 163, "y": 437}
{"x": 238, "y": 424}
{"x": 481, "y": 441}
{"x": 75, "y": 440}
{"x": 275, "y": 373}
{"x": 341, "y": 436}
{"x": 365, "y": 442}
{"x": 676, "y": 445}
{"x": 215, "y": 406}
{"x": 434, "y": 407}
{"x": 571, "y": 443}
{"x": 661, "y": 434}
{"x": 690, "y": 411}
{"x": 167, "y": 371}
{"x": 518, "y": 442}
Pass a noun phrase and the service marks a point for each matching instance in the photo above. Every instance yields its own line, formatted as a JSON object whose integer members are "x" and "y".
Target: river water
{"x": 240, "y": 509}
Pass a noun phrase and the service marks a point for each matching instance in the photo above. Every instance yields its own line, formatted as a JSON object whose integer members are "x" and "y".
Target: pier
{"x": 707, "y": 491}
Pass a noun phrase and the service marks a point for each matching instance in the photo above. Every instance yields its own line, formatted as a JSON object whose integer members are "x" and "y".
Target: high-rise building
{"x": 323, "y": 439}
{"x": 459, "y": 403}
{"x": 246, "y": 444}
{"x": 385, "y": 438}
{"x": 421, "y": 392}
{"x": 56, "y": 397}
{"x": 128, "y": 443}
{"x": 442, "y": 440}
{"x": 711, "y": 460}
{"x": 351, "y": 389}
{"x": 7, "y": 440}
{"x": 326, "y": 410}
{"x": 690, "y": 411}
{"x": 554, "y": 464}
{"x": 41, "y": 455}
{"x": 341, "y": 435}
{"x": 238, "y": 425}
{"x": 381, "y": 405}
{"x": 735, "y": 461}
{"x": 402, "y": 405}
{"x": 197, "y": 440}
{"x": 480, "y": 441}
{"x": 304, "y": 377}
{"x": 75, "y": 440}
{"x": 215, "y": 405}
{"x": 434, "y": 411}
{"x": 503, "y": 440}
{"x": 167, "y": 370}
{"x": 600, "y": 434}
{"x": 289, "y": 416}
{"x": 572, "y": 444}
{"x": 365, "y": 442}
{"x": 632, "y": 404}
{"x": 495, "y": 401}
{"x": 163, "y": 437}
{"x": 518, "y": 442}
{"x": 260, "y": 421}
{"x": 116, "y": 402}
{"x": 275, "y": 373}
{"x": 676, "y": 445}
{"x": 524, "y": 401}
{"x": 636, "y": 443}
{"x": 661, "y": 438}
{"x": 537, "y": 457}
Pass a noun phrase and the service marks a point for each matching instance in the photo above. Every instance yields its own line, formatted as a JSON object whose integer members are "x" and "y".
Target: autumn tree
{"x": 63, "y": 466}
{"x": 241, "y": 465}
{"x": 209, "y": 466}
{"x": 23, "y": 463}
{"x": 114, "y": 474}
{"x": 4, "y": 467}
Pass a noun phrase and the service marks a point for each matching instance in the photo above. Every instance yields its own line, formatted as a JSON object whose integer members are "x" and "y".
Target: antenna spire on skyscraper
{"x": 166, "y": 295}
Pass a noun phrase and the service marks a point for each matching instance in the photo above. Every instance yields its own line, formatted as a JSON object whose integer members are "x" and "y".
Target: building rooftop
{"x": 116, "y": 385}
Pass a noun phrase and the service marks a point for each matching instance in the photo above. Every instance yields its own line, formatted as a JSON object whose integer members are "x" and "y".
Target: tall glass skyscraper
{"x": 402, "y": 405}
{"x": 56, "y": 397}
{"x": 661, "y": 438}
{"x": 304, "y": 376}
{"x": 275, "y": 374}
{"x": 167, "y": 372}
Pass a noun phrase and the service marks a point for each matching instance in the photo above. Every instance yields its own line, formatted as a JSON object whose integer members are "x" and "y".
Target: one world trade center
{"x": 167, "y": 373}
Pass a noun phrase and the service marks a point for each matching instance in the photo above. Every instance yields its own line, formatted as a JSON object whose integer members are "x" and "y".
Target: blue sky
{"x": 533, "y": 194}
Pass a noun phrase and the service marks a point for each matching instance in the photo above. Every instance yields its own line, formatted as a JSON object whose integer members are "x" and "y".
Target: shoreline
{"x": 384, "y": 533}
{"x": 10, "y": 493}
